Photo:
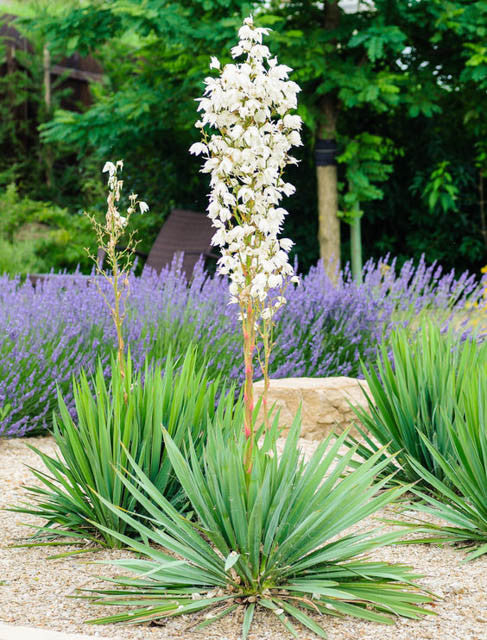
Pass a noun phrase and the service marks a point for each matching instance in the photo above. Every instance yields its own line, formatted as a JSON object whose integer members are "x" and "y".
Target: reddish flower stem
{"x": 248, "y": 323}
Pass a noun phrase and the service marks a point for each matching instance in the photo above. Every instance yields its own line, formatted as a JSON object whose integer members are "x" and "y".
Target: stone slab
{"x": 325, "y": 402}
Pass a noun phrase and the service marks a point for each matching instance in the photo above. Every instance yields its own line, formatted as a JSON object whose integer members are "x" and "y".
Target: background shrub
{"x": 38, "y": 236}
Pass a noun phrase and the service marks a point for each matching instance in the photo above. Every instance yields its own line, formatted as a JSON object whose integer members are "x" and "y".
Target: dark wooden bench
{"x": 184, "y": 231}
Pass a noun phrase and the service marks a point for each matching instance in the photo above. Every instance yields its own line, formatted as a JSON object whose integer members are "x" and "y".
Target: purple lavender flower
{"x": 50, "y": 332}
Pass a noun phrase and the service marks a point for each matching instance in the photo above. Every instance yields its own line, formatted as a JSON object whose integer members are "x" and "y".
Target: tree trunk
{"x": 483, "y": 224}
{"x": 10, "y": 59}
{"x": 356, "y": 250}
{"x": 329, "y": 224}
{"x": 47, "y": 102}
{"x": 326, "y": 170}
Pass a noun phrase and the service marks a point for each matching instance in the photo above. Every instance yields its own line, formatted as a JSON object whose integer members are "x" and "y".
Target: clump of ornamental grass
{"x": 116, "y": 418}
{"x": 269, "y": 530}
{"x": 415, "y": 388}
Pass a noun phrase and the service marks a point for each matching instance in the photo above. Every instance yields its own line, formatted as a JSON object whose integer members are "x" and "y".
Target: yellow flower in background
{"x": 481, "y": 304}
{"x": 484, "y": 293}
{"x": 384, "y": 268}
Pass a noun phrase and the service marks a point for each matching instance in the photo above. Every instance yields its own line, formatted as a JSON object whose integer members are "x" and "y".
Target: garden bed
{"x": 35, "y": 589}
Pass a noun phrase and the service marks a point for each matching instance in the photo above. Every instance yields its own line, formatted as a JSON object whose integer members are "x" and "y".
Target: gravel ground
{"x": 35, "y": 588}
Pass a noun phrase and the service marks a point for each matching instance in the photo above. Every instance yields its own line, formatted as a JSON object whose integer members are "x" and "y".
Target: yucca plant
{"x": 461, "y": 499}
{"x": 114, "y": 420}
{"x": 273, "y": 538}
{"x": 415, "y": 387}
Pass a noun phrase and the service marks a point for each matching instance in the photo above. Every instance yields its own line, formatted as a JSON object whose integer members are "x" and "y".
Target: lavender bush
{"x": 48, "y": 333}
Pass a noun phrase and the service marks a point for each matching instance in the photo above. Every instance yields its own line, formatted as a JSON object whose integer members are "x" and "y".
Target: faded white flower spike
{"x": 110, "y": 167}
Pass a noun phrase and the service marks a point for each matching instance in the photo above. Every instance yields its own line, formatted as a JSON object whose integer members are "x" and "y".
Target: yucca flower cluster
{"x": 113, "y": 217}
{"x": 249, "y": 105}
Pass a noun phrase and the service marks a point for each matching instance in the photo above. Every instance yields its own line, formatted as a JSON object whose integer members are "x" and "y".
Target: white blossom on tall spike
{"x": 249, "y": 104}
{"x": 143, "y": 206}
{"x": 115, "y": 221}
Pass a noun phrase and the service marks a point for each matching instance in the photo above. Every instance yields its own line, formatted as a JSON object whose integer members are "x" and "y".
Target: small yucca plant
{"x": 415, "y": 386}
{"x": 114, "y": 420}
{"x": 461, "y": 499}
{"x": 272, "y": 538}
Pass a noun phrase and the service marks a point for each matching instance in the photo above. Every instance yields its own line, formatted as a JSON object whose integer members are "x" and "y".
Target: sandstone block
{"x": 324, "y": 402}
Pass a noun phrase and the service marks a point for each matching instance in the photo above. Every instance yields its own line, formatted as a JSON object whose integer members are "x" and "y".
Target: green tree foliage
{"x": 37, "y": 236}
{"x": 40, "y": 171}
{"x": 20, "y": 108}
{"x": 410, "y": 72}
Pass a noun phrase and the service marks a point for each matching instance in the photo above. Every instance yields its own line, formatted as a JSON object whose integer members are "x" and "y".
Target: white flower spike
{"x": 249, "y": 106}
{"x": 245, "y": 158}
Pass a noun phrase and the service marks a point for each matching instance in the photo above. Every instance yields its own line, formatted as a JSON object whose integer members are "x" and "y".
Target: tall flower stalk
{"x": 249, "y": 105}
{"x": 119, "y": 260}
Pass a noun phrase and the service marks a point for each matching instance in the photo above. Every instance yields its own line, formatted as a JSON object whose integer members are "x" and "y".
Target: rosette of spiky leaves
{"x": 114, "y": 420}
{"x": 273, "y": 538}
{"x": 461, "y": 500}
{"x": 414, "y": 388}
